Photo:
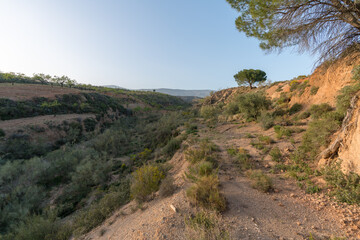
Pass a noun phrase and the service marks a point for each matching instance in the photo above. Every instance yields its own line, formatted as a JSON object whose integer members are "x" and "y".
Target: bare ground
{"x": 18, "y": 92}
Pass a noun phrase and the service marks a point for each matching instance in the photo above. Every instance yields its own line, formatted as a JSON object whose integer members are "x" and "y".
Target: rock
{"x": 292, "y": 195}
{"x": 298, "y": 223}
{"x": 173, "y": 208}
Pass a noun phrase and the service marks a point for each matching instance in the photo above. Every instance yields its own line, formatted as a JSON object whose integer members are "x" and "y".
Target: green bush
{"x": 231, "y": 108}
{"x": 356, "y": 73}
{"x": 252, "y": 104}
{"x": 282, "y": 131}
{"x": 40, "y": 227}
{"x": 205, "y": 193}
{"x": 295, "y": 108}
{"x": 275, "y": 154}
{"x": 314, "y": 90}
{"x": 172, "y": 146}
{"x": 344, "y": 98}
{"x": 146, "y": 180}
{"x": 243, "y": 161}
{"x": 260, "y": 180}
{"x": 2, "y": 133}
{"x": 346, "y": 188}
{"x": 318, "y": 134}
{"x": 304, "y": 115}
{"x": 318, "y": 111}
{"x": 294, "y": 85}
{"x": 266, "y": 120}
{"x": 209, "y": 111}
{"x": 205, "y": 152}
{"x": 204, "y": 225}
{"x": 203, "y": 168}
{"x": 284, "y": 98}
{"x": 98, "y": 212}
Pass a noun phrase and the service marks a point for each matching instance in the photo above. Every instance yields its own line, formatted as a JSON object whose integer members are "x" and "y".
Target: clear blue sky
{"x": 187, "y": 44}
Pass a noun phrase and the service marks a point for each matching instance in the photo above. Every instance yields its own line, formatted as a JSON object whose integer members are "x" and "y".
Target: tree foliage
{"x": 326, "y": 27}
{"x": 250, "y": 76}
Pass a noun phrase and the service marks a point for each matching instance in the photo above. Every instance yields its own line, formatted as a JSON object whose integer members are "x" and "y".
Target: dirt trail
{"x": 252, "y": 214}
{"x": 287, "y": 213}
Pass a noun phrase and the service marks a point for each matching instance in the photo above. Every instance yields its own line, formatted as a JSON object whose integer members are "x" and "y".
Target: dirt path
{"x": 283, "y": 214}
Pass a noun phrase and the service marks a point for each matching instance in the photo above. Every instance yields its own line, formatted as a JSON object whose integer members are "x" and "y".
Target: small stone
{"x": 173, "y": 208}
{"x": 298, "y": 223}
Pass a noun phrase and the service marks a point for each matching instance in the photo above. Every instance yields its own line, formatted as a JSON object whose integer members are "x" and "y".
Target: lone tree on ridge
{"x": 250, "y": 76}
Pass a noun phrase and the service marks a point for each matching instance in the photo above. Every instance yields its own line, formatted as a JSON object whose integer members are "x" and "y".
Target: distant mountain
{"x": 173, "y": 92}
{"x": 181, "y": 92}
{"x": 113, "y": 86}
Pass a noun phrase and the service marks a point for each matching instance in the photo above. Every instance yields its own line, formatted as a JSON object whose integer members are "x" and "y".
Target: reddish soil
{"x": 28, "y": 91}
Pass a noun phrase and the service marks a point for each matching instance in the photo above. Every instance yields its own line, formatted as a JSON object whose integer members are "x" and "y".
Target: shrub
{"x": 252, "y": 104}
{"x": 282, "y": 131}
{"x": 203, "y": 168}
{"x": 304, "y": 115}
{"x": 318, "y": 111}
{"x": 231, "y": 108}
{"x": 191, "y": 129}
{"x": 314, "y": 90}
{"x": 40, "y": 227}
{"x": 243, "y": 161}
{"x": 266, "y": 120}
{"x": 205, "y": 193}
{"x": 2, "y": 133}
{"x": 356, "y": 73}
{"x": 318, "y": 135}
{"x": 295, "y": 108}
{"x": 146, "y": 180}
{"x": 167, "y": 187}
{"x": 284, "y": 98}
{"x": 204, "y": 225}
{"x": 346, "y": 188}
{"x": 265, "y": 139}
{"x": 205, "y": 152}
{"x": 209, "y": 111}
{"x": 260, "y": 180}
{"x": 344, "y": 98}
{"x": 294, "y": 85}
{"x": 275, "y": 154}
{"x": 172, "y": 146}
{"x": 97, "y": 213}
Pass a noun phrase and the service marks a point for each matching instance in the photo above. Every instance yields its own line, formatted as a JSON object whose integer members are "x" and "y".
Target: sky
{"x": 184, "y": 44}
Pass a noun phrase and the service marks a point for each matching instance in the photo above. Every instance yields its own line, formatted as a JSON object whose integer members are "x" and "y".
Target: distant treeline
{"x": 154, "y": 99}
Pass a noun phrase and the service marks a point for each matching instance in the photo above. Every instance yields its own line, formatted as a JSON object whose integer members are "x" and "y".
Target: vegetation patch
{"x": 318, "y": 111}
{"x": 260, "y": 180}
{"x": 205, "y": 226}
{"x": 314, "y": 90}
{"x": 276, "y": 155}
{"x": 297, "y": 107}
{"x": 282, "y": 131}
{"x": 346, "y": 188}
{"x": 146, "y": 180}
{"x": 205, "y": 193}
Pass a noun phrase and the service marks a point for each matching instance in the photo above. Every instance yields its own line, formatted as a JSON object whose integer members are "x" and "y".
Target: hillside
{"x": 270, "y": 166}
{"x": 60, "y": 145}
{"x": 276, "y": 162}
